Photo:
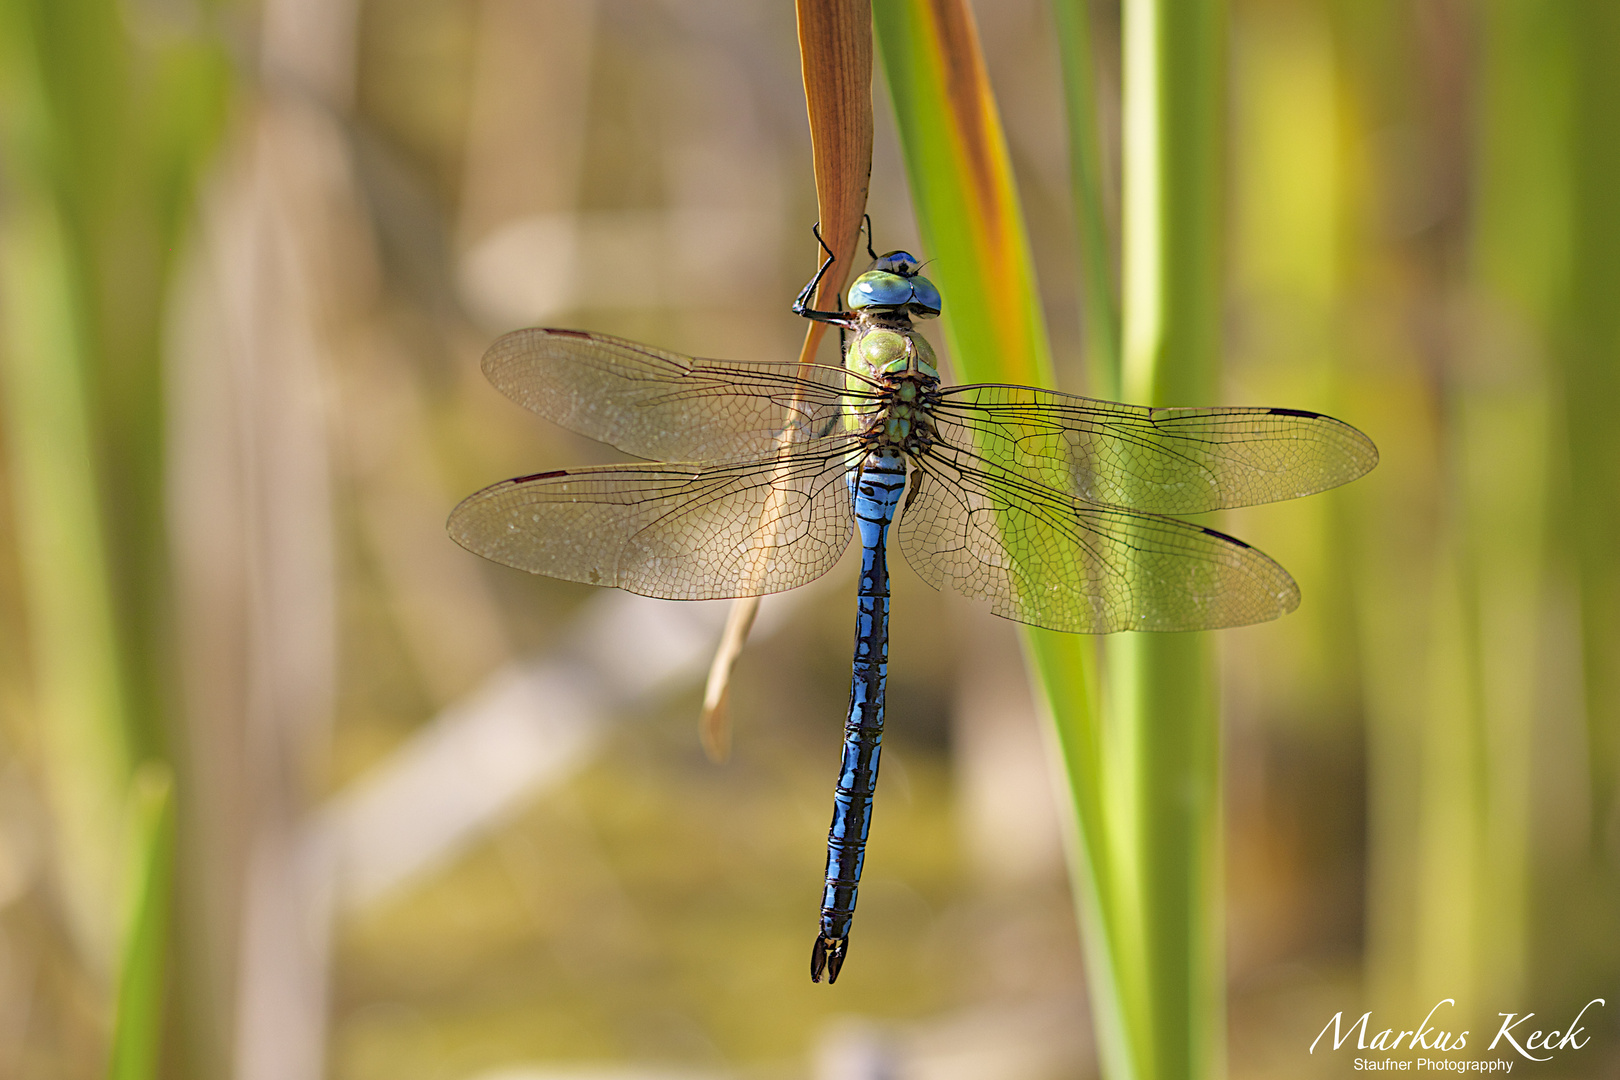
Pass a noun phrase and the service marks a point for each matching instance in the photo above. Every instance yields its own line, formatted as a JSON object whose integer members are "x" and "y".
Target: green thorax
{"x": 878, "y": 351}
{"x": 892, "y": 380}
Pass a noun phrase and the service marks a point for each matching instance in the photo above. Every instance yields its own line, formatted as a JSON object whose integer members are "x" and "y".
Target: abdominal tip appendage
{"x": 827, "y": 956}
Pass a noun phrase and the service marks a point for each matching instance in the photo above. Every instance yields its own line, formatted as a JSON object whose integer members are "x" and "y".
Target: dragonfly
{"x": 1062, "y": 512}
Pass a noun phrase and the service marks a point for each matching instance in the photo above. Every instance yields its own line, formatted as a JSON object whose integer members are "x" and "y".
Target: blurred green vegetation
{"x": 234, "y": 235}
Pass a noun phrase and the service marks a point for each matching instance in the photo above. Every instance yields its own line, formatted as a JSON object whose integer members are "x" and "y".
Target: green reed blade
{"x": 1163, "y": 703}
{"x": 142, "y": 984}
{"x": 973, "y": 231}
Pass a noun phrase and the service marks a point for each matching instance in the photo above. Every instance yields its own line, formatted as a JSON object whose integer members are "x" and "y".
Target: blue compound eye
{"x": 878, "y": 288}
{"x": 924, "y": 298}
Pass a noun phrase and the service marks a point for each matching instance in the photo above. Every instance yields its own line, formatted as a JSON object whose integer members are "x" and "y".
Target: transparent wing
{"x": 1164, "y": 461}
{"x": 662, "y": 405}
{"x": 680, "y": 532}
{"x": 1039, "y": 556}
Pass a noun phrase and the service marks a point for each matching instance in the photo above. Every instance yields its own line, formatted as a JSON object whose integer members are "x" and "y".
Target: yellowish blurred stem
{"x": 78, "y": 699}
{"x": 1592, "y": 386}
{"x": 102, "y": 131}
{"x": 714, "y": 726}
{"x": 1097, "y": 290}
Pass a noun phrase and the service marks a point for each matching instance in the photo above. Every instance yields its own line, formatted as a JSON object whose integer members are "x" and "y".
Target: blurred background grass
{"x": 438, "y": 819}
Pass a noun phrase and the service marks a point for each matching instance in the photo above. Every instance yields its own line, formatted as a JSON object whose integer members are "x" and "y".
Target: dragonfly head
{"x": 892, "y": 283}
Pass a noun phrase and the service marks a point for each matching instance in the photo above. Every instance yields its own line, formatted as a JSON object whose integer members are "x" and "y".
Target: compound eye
{"x": 879, "y": 289}
{"x": 925, "y": 302}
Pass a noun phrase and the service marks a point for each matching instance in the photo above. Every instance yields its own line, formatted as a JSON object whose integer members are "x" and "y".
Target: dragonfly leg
{"x": 801, "y": 303}
{"x": 877, "y": 488}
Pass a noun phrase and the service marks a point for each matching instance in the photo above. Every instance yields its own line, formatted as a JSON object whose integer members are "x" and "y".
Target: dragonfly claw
{"x": 827, "y": 955}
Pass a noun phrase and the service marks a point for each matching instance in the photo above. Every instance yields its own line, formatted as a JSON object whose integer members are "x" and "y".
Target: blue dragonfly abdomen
{"x": 876, "y": 485}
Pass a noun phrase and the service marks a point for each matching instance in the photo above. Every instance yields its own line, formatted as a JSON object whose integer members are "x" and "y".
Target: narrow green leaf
{"x": 962, "y": 188}
{"x": 143, "y": 978}
{"x": 973, "y": 231}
